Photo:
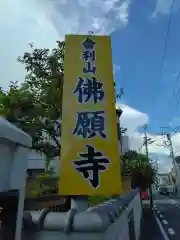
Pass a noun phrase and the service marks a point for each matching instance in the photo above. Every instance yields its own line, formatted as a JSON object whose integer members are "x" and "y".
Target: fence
{"x": 54, "y": 202}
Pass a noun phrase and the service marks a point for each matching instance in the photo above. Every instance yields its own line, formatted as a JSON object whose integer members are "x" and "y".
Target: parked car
{"x": 163, "y": 190}
{"x": 144, "y": 195}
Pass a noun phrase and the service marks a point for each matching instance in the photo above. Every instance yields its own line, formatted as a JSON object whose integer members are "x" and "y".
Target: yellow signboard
{"x": 90, "y": 160}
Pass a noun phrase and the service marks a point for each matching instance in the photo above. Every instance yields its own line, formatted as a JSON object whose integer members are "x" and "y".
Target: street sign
{"x": 90, "y": 161}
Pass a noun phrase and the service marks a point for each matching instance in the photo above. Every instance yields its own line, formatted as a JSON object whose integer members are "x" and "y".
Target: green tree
{"x": 35, "y": 105}
{"x": 139, "y": 168}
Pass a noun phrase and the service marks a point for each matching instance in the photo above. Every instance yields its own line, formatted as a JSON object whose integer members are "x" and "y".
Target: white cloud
{"x": 45, "y": 21}
{"x": 21, "y": 23}
{"x": 161, "y": 152}
{"x": 116, "y": 68}
{"x": 132, "y": 119}
{"x": 163, "y": 7}
{"x": 164, "y": 163}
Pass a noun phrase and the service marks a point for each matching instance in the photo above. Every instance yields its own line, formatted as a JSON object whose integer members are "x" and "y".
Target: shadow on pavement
{"x": 149, "y": 227}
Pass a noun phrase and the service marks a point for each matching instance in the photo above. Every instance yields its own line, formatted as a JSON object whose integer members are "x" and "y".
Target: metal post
{"x": 80, "y": 203}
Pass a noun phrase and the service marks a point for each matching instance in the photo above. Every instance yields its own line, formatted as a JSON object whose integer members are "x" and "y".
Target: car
{"x": 144, "y": 195}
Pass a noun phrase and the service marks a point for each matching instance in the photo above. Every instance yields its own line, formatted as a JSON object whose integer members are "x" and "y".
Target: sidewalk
{"x": 149, "y": 227}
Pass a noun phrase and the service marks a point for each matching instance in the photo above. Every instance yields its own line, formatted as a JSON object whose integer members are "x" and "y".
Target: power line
{"x": 178, "y": 98}
{"x": 177, "y": 79}
{"x": 164, "y": 135}
{"x": 165, "y": 45}
{"x": 166, "y": 41}
{"x": 176, "y": 93}
{"x": 176, "y": 131}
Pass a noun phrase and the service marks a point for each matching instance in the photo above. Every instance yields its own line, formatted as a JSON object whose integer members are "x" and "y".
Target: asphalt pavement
{"x": 168, "y": 212}
{"x": 149, "y": 226}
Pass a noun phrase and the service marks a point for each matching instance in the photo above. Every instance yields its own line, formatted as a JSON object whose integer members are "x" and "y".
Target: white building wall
{"x": 124, "y": 144}
{"x": 35, "y": 160}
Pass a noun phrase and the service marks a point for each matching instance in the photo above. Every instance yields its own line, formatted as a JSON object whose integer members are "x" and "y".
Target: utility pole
{"x": 172, "y": 156}
{"x": 170, "y": 147}
{"x": 168, "y": 144}
{"x": 147, "y": 154}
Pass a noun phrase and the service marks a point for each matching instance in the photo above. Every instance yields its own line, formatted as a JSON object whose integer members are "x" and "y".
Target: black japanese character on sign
{"x": 91, "y": 164}
{"x": 90, "y": 124}
{"x": 89, "y": 55}
{"x": 89, "y": 88}
{"x": 88, "y": 44}
{"x": 89, "y": 68}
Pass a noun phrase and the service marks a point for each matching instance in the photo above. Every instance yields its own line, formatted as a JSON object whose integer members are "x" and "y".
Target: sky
{"x": 138, "y": 31}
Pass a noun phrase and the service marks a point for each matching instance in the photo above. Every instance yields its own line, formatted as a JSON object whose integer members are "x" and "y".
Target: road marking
{"x": 171, "y": 231}
{"x": 165, "y": 222}
{"x": 161, "y": 228}
{"x": 161, "y": 216}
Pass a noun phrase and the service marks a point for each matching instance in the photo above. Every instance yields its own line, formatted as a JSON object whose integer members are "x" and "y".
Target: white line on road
{"x": 171, "y": 231}
{"x": 165, "y": 222}
{"x": 161, "y": 228}
{"x": 161, "y": 216}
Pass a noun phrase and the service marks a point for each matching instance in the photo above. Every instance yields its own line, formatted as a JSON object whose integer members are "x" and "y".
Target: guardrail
{"x": 116, "y": 219}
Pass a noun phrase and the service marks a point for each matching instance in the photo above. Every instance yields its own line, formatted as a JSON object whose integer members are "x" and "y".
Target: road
{"x": 168, "y": 211}
{"x": 149, "y": 227}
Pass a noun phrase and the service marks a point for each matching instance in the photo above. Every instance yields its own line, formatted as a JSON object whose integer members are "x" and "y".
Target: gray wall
{"x": 14, "y": 145}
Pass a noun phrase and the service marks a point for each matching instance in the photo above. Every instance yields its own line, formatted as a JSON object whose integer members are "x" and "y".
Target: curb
{"x": 168, "y": 230}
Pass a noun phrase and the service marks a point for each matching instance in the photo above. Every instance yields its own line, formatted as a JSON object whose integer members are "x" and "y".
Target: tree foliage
{"x": 139, "y": 167}
{"x": 35, "y": 105}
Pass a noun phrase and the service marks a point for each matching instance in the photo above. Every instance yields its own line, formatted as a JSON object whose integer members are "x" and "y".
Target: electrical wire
{"x": 176, "y": 131}
{"x": 164, "y": 135}
{"x": 165, "y": 42}
{"x": 178, "y": 98}
{"x": 176, "y": 93}
{"x": 177, "y": 80}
